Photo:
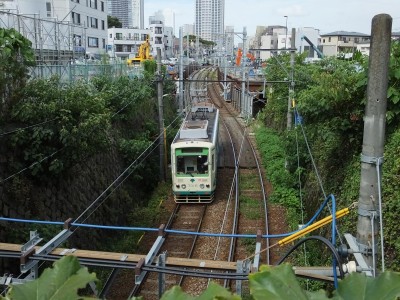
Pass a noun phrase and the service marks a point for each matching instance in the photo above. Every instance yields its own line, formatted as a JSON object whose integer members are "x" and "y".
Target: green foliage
{"x": 16, "y": 55}
{"x": 330, "y": 97}
{"x": 80, "y": 124}
{"x": 393, "y": 104}
{"x": 273, "y": 155}
{"x": 113, "y": 22}
{"x": 61, "y": 282}
{"x": 272, "y": 282}
{"x": 391, "y": 199}
{"x": 250, "y": 207}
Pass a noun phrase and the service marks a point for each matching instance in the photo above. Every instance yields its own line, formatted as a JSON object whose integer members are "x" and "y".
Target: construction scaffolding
{"x": 60, "y": 48}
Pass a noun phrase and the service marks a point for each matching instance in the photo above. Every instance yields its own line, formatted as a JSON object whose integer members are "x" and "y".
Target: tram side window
{"x": 180, "y": 165}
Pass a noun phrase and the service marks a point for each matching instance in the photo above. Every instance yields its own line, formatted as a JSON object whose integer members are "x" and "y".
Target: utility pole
{"x": 291, "y": 83}
{"x": 243, "y": 73}
{"x": 180, "y": 70}
{"x": 286, "y": 17}
{"x": 160, "y": 114}
{"x": 369, "y": 206}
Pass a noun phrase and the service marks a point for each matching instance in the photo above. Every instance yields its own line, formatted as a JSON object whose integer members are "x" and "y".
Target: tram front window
{"x": 202, "y": 165}
{"x": 196, "y": 164}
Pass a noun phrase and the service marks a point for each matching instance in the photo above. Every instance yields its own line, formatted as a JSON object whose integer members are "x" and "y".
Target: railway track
{"x": 239, "y": 206}
{"x": 251, "y": 214}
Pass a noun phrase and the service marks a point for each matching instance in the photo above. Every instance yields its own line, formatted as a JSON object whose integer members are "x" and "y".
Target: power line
{"x": 32, "y": 165}
{"x": 28, "y": 127}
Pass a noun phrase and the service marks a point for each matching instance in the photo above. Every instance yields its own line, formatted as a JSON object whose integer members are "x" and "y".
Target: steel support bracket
{"x": 357, "y": 255}
{"x": 371, "y": 160}
{"x": 239, "y": 270}
{"x": 152, "y": 253}
{"x": 46, "y": 249}
{"x": 256, "y": 262}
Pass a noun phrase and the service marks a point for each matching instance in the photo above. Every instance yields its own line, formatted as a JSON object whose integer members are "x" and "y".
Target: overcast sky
{"x": 325, "y": 15}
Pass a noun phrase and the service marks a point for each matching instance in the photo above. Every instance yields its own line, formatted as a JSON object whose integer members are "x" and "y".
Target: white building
{"x": 157, "y": 38}
{"x": 169, "y": 42}
{"x": 129, "y": 12}
{"x": 138, "y": 14}
{"x": 124, "y": 43}
{"x": 210, "y": 18}
{"x": 306, "y": 39}
{"x": 70, "y": 26}
{"x": 188, "y": 29}
{"x": 274, "y": 38}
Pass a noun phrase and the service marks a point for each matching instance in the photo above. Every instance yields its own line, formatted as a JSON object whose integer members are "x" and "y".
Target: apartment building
{"x": 342, "y": 42}
{"x": 59, "y": 29}
{"x": 210, "y": 17}
{"x": 124, "y": 43}
{"x": 129, "y": 12}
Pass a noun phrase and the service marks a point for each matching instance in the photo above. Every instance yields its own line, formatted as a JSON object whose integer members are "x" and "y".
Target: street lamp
{"x": 286, "y": 17}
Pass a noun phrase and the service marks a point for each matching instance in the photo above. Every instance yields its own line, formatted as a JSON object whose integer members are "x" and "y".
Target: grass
{"x": 248, "y": 182}
{"x": 250, "y": 208}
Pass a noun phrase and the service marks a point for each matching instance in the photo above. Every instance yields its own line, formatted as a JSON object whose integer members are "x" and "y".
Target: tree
{"x": 16, "y": 55}
{"x": 113, "y": 22}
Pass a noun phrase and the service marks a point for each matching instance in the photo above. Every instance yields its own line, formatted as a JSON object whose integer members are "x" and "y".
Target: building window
{"x": 118, "y": 48}
{"x": 93, "y": 42}
{"x": 102, "y": 5}
{"x": 76, "y": 18}
{"x": 48, "y": 9}
{"x": 93, "y": 22}
{"x": 93, "y": 4}
{"x": 104, "y": 43}
{"x": 103, "y": 25}
{"x": 118, "y": 36}
{"x": 135, "y": 36}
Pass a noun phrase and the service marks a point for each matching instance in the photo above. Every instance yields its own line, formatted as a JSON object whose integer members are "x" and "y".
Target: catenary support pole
{"x": 180, "y": 69}
{"x": 160, "y": 114}
{"x": 291, "y": 80}
{"x": 242, "y": 102}
{"x": 374, "y": 136}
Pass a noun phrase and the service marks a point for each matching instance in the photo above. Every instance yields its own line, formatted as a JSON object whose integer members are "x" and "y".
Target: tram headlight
{"x": 208, "y": 186}
{"x": 177, "y": 186}
{"x": 202, "y": 186}
{"x": 184, "y": 186}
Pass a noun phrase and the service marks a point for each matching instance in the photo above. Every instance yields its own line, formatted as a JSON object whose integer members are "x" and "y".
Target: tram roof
{"x": 198, "y": 125}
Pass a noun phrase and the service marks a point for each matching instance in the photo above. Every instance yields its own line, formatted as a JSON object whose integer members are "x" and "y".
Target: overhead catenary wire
{"x": 120, "y": 179}
{"x": 315, "y": 167}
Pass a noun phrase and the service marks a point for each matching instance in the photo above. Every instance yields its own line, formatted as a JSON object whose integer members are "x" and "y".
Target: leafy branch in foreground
{"x": 272, "y": 282}
{"x": 60, "y": 282}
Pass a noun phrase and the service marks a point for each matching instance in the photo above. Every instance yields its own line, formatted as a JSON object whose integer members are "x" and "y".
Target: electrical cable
{"x": 378, "y": 173}
{"x": 169, "y": 230}
{"x": 27, "y": 127}
{"x": 120, "y": 179}
{"x": 321, "y": 239}
{"x": 301, "y": 196}
{"x": 30, "y": 166}
{"x": 316, "y": 170}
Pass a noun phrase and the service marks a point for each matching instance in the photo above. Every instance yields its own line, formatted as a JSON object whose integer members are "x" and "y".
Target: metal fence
{"x": 73, "y": 72}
